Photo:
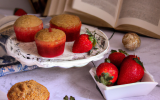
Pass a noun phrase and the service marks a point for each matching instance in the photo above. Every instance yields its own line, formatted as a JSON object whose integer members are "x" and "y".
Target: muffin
{"x": 50, "y": 42}
{"x": 70, "y": 24}
{"x": 28, "y": 90}
{"x": 26, "y": 27}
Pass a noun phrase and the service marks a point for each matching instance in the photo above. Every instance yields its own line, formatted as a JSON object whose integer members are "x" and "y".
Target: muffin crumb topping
{"x": 28, "y": 90}
{"x": 65, "y": 20}
{"x": 28, "y": 21}
{"x": 49, "y": 35}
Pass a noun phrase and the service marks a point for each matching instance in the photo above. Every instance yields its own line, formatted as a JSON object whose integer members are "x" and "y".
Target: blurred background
{"x": 7, "y": 7}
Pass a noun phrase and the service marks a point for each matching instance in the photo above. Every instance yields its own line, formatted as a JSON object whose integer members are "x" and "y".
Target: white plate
{"x": 27, "y": 53}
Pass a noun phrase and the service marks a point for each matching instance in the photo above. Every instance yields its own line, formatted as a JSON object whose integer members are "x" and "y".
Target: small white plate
{"x": 27, "y": 53}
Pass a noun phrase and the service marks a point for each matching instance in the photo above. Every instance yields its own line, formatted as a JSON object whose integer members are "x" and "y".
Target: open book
{"x": 140, "y": 16}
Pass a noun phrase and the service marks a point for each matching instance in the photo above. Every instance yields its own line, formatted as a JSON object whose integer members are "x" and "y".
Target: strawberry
{"x": 116, "y": 58}
{"x": 84, "y": 43}
{"x": 106, "y": 73}
{"x": 132, "y": 56}
{"x": 131, "y": 70}
{"x": 19, "y": 12}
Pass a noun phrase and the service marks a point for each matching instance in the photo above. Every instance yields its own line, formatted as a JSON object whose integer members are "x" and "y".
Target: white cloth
{"x": 78, "y": 82}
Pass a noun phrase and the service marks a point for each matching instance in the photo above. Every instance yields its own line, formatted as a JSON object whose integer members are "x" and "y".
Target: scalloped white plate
{"x": 27, "y": 53}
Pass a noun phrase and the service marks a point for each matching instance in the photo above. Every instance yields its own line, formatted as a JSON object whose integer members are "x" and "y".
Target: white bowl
{"x": 144, "y": 87}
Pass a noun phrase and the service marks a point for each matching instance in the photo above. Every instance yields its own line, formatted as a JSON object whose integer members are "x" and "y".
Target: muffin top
{"x": 28, "y": 90}
{"x": 50, "y": 35}
{"x": 65, "y": 20}
{"x": 27, "y": 21}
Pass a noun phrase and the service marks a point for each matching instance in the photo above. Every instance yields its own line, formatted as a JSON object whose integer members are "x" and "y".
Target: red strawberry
{"x": 131, "y": 70}
{"x": 82, "y": 44}
{"x": 85, "y": 42}
{"x": 116, "y": 58}
{"x": 132, "y": 56}
{"x": 106, "y": 73}
{"x": 19, "y": 12}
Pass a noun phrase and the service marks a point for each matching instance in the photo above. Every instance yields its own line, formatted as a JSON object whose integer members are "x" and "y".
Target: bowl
{"x": 143, "y": 87}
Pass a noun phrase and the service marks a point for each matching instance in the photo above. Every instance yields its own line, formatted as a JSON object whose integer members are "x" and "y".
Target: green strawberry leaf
{"x": 91, "y": 38}
{"x": 119, "y": 50}
{"x": 96, "y": 78}
{"x": 72, "y": 98}
{"x": 139, "y": 62}
{"x": 112, "y": 51}
{"x": 124, "y": 52}
{"x": 65, "y": 98}
{"x": 104, "y": 79}
{"x": 105, "y": 75}
{"x": 88, "y": 32}
{"x": 107, "y": 60}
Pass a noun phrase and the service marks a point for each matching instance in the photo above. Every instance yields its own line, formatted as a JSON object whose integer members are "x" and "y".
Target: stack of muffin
{"x": 50, "y": 42}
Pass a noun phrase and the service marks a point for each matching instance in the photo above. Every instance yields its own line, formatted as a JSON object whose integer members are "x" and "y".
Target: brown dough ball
{"x": 131, "y": 41}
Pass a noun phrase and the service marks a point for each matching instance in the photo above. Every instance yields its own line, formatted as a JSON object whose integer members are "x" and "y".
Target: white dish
{"x": 3, "y": 96}
{"x": 27, "y": 53}
{"x": 144, "y": 87}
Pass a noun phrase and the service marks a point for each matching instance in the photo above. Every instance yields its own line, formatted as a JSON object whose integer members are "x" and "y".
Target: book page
{"x": 104, "y": 9}
{"x": 47, "y": 8}
{"x": 53, "y": 7}
{"x": 142, "y": 13}
{"x": 60, "y": 7}
{"x": 84, "y": 17}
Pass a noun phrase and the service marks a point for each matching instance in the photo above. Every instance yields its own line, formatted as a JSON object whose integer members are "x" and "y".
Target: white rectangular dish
{"x": 144, "y": 87}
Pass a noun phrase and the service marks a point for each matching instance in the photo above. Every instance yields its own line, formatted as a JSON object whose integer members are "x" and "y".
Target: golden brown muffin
{"x": 70, "y": 24}
{"x": 65, "y": 20}
{"x": 27, "y": 21}
{"x": 50, "y": 35}
{"x": 26, "y": 27}
{"x": 50, "y": 42}
{"x": 28, "y": 90}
